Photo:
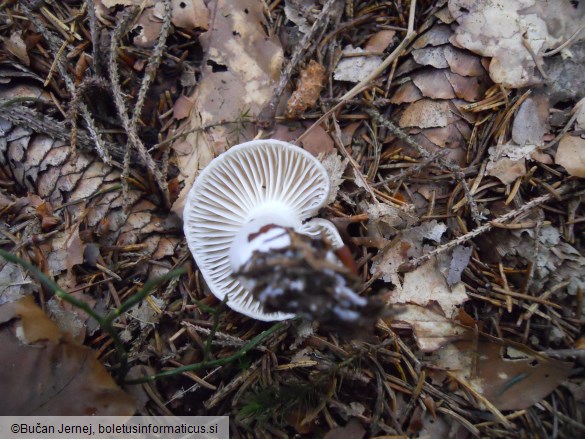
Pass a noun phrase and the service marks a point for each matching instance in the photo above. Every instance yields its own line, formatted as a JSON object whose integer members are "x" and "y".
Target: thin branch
{"x": 452, "y": 167}
{"x": 482, "y": 229}
{"x": 304, "y": 48}
{"x": 133, "y": 137}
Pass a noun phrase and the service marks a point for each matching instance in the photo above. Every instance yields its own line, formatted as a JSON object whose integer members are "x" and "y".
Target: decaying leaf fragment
{"x": 431, "y": 329}
{"x": 14, "y": 283}
{"x": 507, "y": 162}
{"x": 308, "y": 89}
{"x": 355, "y": 68}
{"x": 49, "y": 374}
{"x": 409, "y": 245}
{"x": 426, "y": 284}
{"x": 501, "y": 29}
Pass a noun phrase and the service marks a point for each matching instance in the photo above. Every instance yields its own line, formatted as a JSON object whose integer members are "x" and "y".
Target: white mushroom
{"x": 249, "y": 187}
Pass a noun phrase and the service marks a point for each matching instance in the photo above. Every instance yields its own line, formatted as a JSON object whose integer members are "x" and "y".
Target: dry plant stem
{"x": 94, "y": 31}
{"x": 322, "y": 118}
{"x": 479, "y": 397}
{"x": 482, "y": 229}
{"x": 219, "y": 362}
{"x": 42, "y": 124}
{"x": 55, "y": 45}
{"x": 415, "y": 169}
{"x": 453, "y": 168}
{"x": 564, "y": 131}
{"x": 86, "y": 84}
{"x": 305, "y": 48}
{"x": 565, "y": 44}
{"x": 135, "y": 141}
{"x": 149, "y": 75}
{"x": 354, "y": 165}
{"x": 153, "y": 63}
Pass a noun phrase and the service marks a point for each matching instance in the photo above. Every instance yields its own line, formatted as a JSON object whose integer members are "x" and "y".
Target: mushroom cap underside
{"x": 246, "y": 182}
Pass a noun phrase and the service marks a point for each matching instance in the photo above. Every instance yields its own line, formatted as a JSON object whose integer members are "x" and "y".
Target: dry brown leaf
{"x": 348, "y": 132}
{"x": 311, "y": 82}
{"x": 409, "y": 245}
{"x": 147, "y": 29}
{"x": 318, "y": 141}
{"x": 431, "y": 56}
{"x": 182, "y": 108}
{"x": 380, "y": 41}
{"x": 288, "y": 132}
{"x": 427, "y": 113}
{"x": 433, "y": 84}
{"x": 507, "y": 162}
{"x": 530, "y": 123}
{"x": 17, "y": 47}
{"x": 571, "y": 155}
{"x": 35, "y": 324}
{"x": 239, "y": 78}
{"x": 66, "y": 251}
{"x": 190, "y": 14}
{"x": 508, "y": 378}
{"x": 507, "y": 170}
{"x": 49, "y": 374}
{"x": 352, "y": 430}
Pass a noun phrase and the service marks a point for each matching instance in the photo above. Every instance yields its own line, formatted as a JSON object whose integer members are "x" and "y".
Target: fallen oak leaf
{"x": 510, "y": 378}
{"x": 50, "y": 375}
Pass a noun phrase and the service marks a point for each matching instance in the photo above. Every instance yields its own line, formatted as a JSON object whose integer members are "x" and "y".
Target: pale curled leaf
{"x": 355, "y": 68}
{"x": 426, "y": 284}
{"x": 431, "y": 329}
{"x": 335, "y": 167}
{"x": 571, "y": 155}
{"x": 508, "y": 162}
